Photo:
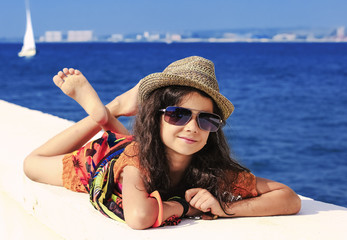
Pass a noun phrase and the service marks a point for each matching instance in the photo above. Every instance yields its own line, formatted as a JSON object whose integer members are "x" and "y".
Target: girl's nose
{"x": 192, "y": 125}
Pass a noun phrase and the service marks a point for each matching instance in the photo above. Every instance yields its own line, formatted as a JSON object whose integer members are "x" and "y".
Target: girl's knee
{"x": 28, "y": 167}
{"x": 44, "y": 169}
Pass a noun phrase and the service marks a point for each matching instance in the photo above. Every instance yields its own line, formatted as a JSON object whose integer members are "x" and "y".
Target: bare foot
{"x": 126, "y": 104}
{"x": 75, "y": 85}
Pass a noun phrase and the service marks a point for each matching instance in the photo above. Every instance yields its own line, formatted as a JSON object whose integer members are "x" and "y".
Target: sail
{"x": 29, "y": 48}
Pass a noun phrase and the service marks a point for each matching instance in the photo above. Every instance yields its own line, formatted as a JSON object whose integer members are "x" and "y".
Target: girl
{"x": 177, "y": 162}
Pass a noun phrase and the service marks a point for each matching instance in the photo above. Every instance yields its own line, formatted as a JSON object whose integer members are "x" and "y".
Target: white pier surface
{"x": 30, "y": 210}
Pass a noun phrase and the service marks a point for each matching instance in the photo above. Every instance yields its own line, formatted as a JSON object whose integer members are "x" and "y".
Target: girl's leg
{"x": 45, "y": 163}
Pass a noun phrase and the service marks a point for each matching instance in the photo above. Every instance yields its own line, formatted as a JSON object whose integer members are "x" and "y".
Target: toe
{"x": 61, "y": 75}
{"x": 58, "y": 81}
{"x": 66, "y": 71}
{"x": 71, "y": 71}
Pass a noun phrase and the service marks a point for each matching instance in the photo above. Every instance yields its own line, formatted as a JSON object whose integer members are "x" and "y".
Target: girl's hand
{"x": 202, "y": 200}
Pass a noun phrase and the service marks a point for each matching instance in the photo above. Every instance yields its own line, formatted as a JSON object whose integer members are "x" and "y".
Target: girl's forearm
{"x": 171, "y": 208}
{"x": 278, "y": 202}
{"x": 144, "y": 216}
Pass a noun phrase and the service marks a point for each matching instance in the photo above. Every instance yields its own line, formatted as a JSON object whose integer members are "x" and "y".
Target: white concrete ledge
{"x": 30, "y": 210}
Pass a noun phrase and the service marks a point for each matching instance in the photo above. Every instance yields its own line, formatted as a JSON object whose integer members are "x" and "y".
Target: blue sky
{"x": 132, "y": 16}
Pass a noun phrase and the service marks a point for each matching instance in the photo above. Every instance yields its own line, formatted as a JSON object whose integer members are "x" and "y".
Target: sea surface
{"x": 290, "y": 118}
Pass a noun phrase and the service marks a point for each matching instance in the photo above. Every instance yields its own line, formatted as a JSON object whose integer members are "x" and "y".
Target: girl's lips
{"x": 188, "y": 140}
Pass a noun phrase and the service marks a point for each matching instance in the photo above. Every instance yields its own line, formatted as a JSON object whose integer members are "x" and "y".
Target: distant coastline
{"x": 182, "y": 42}
{"x": 338, "y": 34}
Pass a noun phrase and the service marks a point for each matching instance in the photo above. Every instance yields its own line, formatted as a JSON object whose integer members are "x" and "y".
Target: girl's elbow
{"x": 139, "y": 219}
{"x": 293, "y": 203}
{"x": 296, "y": 204}
{"x": 136, "y": 225}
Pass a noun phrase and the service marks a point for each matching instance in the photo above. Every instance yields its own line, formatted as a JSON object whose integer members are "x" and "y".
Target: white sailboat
{"x": 29, "y": 47}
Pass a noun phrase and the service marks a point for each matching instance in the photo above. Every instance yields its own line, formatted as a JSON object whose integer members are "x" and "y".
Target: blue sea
{"x": 290, "y": 118}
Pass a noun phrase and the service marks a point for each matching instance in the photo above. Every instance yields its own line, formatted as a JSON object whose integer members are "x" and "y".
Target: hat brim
{"x": 159, "y": 80}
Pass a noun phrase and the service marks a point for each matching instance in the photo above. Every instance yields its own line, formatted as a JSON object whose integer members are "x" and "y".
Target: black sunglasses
{"x": 180, "y": 116}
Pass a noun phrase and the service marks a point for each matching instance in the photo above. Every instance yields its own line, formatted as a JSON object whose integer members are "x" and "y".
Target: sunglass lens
{"x": 209, "y": 122}
{"x": 177, "y": 116}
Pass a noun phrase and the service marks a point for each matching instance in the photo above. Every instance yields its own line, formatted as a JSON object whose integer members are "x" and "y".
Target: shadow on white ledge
{"x": 30, "y": 210}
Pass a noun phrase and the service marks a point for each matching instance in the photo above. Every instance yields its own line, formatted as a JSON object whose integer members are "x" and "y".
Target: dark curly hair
{"x": 208, "y": 166}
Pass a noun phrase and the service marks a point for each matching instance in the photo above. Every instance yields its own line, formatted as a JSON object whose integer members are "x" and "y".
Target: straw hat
{"x": 196, "y": 72}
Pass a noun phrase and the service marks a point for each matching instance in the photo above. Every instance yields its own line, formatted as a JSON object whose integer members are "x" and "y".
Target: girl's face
{"x": 184, "y": 141}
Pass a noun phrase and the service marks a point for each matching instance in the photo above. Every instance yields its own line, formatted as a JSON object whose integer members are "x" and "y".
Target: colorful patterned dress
{"x": 96, "y": 169}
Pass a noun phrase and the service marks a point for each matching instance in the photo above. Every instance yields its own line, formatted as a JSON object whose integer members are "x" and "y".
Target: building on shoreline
{"x": 52, "y": 36}
{"x": 71, "y": 36}
{"x": 79, "y": 36}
